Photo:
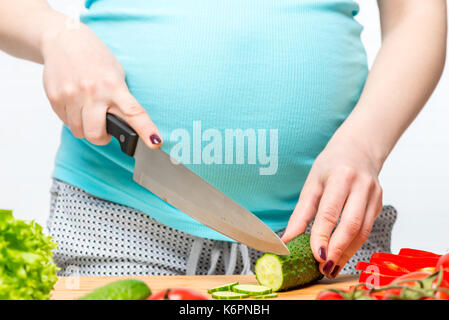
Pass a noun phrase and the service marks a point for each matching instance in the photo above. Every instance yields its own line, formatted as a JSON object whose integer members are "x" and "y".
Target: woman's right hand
{"x": 84, "y": 81}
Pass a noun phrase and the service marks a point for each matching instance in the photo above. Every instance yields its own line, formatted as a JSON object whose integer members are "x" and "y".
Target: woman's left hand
{"x": 343, "y": 183}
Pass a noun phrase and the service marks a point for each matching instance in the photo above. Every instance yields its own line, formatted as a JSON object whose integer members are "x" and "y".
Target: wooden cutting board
{"x": 68, "y": 288}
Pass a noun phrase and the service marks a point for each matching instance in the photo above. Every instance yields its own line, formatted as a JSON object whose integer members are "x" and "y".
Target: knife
{"x": 174, "y": 183}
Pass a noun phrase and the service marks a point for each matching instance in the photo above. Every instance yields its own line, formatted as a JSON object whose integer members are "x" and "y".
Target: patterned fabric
{"x": 98, "y": 237}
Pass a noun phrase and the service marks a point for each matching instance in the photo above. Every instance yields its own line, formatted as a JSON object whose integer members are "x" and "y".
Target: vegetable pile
{"x": 27, "y": 270}
{"x": 410, "y": 275}
{"x": 383, "y": 268}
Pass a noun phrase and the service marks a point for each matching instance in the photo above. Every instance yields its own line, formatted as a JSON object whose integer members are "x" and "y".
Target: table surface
{"x": 68, "y": 288}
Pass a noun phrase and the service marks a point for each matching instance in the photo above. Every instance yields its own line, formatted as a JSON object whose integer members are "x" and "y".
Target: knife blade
{"x": 174, "y": 183}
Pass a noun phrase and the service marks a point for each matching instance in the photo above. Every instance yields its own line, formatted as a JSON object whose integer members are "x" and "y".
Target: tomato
{"x": 445, "y": 282}
{"x": 359, "y": 287}
{"x": 413, "y": 276}
{"x": 379, "y": 295}
{"x": 417, "y": 275}
{"x": 177, "y": 294}
{"x": 443, "y": 262}
{"x": 442, "y": 295}
{"x": 329, "y": 295}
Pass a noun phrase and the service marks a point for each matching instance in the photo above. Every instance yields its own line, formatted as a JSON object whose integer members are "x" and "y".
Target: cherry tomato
{"x": 413, "y": 276}
{"x": 442, "y": 295}
{"x": 177, "y": 294}
{"x": 443, "y": 262}
{"x": 417, "y": 275}
{"x": 329, "y": 295}
{"x": 445, "y": 282}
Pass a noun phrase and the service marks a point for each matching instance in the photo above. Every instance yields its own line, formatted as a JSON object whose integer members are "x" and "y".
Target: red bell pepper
{"x": 403, "y": 262}
{"x": 387, "y": 270}
{"x": 375, "y": 279}
{"x": 417, "y": 253}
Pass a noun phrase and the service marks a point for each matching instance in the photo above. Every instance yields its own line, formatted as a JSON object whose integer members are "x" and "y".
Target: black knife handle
{"x": 125, "y": 135}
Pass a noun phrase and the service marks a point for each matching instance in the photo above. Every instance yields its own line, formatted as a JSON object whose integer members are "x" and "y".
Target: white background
{"x": 415, "y": 178}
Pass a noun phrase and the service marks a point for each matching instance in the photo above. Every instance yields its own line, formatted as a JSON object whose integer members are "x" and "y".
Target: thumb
{"x": 129, "y": 109}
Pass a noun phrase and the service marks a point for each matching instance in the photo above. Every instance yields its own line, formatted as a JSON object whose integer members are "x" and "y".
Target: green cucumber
{"x": 283, "y": 272}
{"x": 266, "y": 296}
{"x": 225, "y": 287}
{"x": 226, "y": 295}
{"x": 251, "y": 289}
{"x": 120, "y": 290}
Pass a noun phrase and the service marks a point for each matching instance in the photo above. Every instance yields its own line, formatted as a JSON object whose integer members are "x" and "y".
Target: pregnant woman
{"x": 289, "y": 77}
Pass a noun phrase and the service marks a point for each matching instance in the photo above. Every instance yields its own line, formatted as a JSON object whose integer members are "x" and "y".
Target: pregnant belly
{"x": 289, "y": 71}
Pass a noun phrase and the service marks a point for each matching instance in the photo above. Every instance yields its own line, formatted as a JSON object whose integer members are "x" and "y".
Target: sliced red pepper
{"x": 409, "y": 263}
{"x": 380, "y": 279}
{"x": 381, "y": 269}
{"x": 417, "y": 253}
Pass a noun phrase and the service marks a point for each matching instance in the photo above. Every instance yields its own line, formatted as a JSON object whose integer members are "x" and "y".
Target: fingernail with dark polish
{"x": 328, "y": 266}
{"x": 335, "y": 271}
{"x": 322, "y": 253}
{"x": 154, "y": 138}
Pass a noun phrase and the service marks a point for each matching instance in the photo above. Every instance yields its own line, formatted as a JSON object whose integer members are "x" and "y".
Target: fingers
{"x": 373, "y": 210}
{"x": 332, "y": 201}
{"x": 83, "y": 109}
{"x": 351, "y": 222}
{"x": 128, "y": 108}
{"x": 94, "y": 123}
{"x": 305, "y": 209}
{"x": 74, "y": 108}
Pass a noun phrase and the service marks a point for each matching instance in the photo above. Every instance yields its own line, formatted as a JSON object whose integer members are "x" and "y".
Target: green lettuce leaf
{"x": 27, "y": 269}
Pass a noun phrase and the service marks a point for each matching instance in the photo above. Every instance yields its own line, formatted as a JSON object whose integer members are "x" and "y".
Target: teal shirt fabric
{"x": 295, "y": 66}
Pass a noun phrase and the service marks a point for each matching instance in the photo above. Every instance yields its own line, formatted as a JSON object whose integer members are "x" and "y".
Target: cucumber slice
{"x": 266, "y": 296}
{"x": 226, "y": 295}
{"x": 225, "y": 287}
{"x": 251, "y": 289}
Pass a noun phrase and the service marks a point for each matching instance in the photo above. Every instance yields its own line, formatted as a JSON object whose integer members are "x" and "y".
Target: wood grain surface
{"x": 68, "y": 288}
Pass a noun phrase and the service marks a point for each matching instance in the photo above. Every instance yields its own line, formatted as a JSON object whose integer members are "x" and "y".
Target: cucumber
{"x": 251, "y": 289}
{"x": 226, "y": 295}
{"x": 120, "y": 290}
{"x": 225, "y": 287}
{"x": 283, "y": 272}
{"x": 266, "y": 296}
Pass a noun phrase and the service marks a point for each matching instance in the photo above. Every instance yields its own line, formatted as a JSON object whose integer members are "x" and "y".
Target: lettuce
{"x": 27, "y": 270}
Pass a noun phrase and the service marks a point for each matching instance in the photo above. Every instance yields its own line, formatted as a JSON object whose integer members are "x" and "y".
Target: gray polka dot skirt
{"x": 98, "y": 237}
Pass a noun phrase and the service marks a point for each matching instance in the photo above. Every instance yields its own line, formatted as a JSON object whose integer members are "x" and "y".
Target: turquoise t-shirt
{"x": 245, "y": 93}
